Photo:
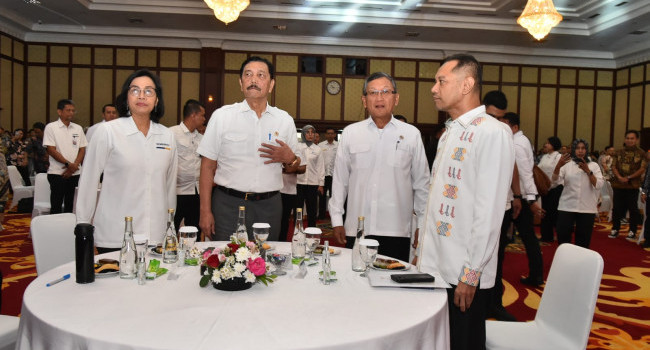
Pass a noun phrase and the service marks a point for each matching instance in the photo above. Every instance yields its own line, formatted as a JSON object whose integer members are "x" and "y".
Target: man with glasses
{"x": 329, "y": 147}
{"x": 382, "y": 170}
{"x": 250, "y": 141}
{"x": 66, "y": 145}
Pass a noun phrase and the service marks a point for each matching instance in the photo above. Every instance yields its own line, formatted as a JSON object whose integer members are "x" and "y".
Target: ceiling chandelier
{"x": 539, "y": 17}
{"x": 227, "y": 10}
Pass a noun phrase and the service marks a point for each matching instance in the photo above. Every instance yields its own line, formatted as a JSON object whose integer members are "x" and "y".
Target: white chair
{"x": 8, "y": 332}
{"x": 41, "y": 195}
{"x": 563, "y": 320}
{"x": 18, "y": 185}
{"x": 53, "y": 240}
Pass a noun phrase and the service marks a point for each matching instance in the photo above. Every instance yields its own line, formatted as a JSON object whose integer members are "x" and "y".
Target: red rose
{"x": 257, "y": 266}
{"x": 233, "y": 247}
{"x": 213, "y": 261}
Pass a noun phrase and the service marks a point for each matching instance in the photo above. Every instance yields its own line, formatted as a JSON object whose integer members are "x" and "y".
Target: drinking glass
{"x": 188, "y": 236}
{"x": 141, "y": 242}
{"x": 368, "y": 248}
{"x": 312, "y": 235}
{"x": 261, "y": 234}
{"x": 280, "y": 261}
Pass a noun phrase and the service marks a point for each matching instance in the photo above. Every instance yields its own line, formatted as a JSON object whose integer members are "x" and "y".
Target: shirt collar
{"x": 245, "y": 107}
{"x": 62, "y": 125}
{"x": 469, "y": 116}
{"x": 184, "y": 128}
{"x": 370, "y": 122}
{"x": 131, "y": 128}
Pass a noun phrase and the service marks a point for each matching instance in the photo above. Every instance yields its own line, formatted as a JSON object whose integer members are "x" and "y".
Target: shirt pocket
{"x": 235, "y": 144}
{"x": 360, "y": 156}
{"x": 400, "y": 156}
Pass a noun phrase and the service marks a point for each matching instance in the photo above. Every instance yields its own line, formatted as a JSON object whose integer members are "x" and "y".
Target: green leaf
{"x": 205, "y": 279}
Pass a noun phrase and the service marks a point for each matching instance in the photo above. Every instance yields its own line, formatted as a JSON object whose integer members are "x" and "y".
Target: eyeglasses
{"x": 135, "y": 91}
{"x": 384, "y": 92}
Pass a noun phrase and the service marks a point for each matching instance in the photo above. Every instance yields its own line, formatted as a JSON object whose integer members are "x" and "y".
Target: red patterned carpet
{"x": 621, "y": 320}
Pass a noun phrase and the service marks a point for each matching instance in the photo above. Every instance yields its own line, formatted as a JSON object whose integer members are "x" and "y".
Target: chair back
{"x": 53, "y": 240}
{"x": 570, "y": 294}
{"x": 14, "y": 176}
{"x": 8, "y": 332}
{"x": 41, "y": 194}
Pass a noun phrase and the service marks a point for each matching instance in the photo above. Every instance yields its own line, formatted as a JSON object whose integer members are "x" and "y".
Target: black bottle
{"x": 84, "y": 253}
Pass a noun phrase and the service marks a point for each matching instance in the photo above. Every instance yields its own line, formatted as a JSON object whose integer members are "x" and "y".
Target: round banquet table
{"x": 291, "y": 313}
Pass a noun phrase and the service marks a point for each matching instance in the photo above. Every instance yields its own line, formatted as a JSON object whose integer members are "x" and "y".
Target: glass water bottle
{"x": 170, "y": 242}
{"x": 357, "y": 263}
{"x": 128, "y": 253}
{"x": 241, "y": 232}
{"x": 298, "y": 242}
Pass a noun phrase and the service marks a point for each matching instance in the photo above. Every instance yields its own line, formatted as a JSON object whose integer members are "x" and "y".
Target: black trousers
{"x": 496, "y": 293}
{"x": 288, "y": 205}
{"x": 524, "y": 225}
{"x": 626, "y": 200}
{"x": 308, "y": 194}
{"x": 584, "y": 225}
{"x": 646, "y": 228}
{"x": 549, "y": 221}
{"x": 395, "y": 247}
{"x": 62, "y": 193}
{"x": 24, "y": 173}
{"x": 467, "y": 329}
{"x": 187, "y": 207}
{"x": 322, "y": 198}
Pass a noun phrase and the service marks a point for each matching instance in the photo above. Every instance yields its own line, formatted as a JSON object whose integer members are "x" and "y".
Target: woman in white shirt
{"x": 137, "y": 156}
{"x": 579, "y": 201}
{"x": 551, "y": 199}
{"x": 310, "y": 183}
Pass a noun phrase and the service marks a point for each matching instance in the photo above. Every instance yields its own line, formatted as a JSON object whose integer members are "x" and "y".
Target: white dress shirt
{"x": 525, "y": 161}
{"x": 578, "y": 195}
{"x": 139, "y": 181}
{"x": 384, "y": 174}
{"x": 91, "y": 130}
{"x": 329, "y": 152}
{"x": 470, "y": 179}
{"x": 67, "y": 140}
{"x": 232, "y": 138}
{"x": 315, "y": 173}
{"x": 189, "y": 161}
{"x": 548, "y": 163}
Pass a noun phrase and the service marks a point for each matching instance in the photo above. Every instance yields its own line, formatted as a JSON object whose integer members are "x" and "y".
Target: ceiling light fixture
{"x": 227, "y": 10}
{"x": 539, "y": 17}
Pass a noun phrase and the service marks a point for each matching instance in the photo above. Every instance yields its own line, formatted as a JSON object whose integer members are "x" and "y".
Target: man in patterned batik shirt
{"x": 469, "y": 186}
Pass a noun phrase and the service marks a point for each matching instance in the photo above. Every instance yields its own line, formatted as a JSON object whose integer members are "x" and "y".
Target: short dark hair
{"x": 107, "y": 105}
{"x": 635, "y": 132}
{"x": 375, "y": 76}
{"x": 63, "y": 102}
{"x": 470, "y": 63}
{"x": 400, "y": 117}
{"x": 608, "y": 147}
{"x": 512, "y": 118}
{"x": 555, "y": 142}
{"x": 495, "y": 98}
{"x": 122, "y": 99}
{"x": 269, "y": 65}
{"x": 330, "y": 128}
{"x": 192, "y": 106}
{"x": 39, "y": 125}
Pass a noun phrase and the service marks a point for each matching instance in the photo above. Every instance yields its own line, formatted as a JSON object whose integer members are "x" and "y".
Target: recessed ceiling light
{"x": 448, "y": 12}
{"x": 639, "y": 32}
{"x": 594, "y": 15}
{"x": 621, "y": 3}
{"x": 280, "y": 27}
{"x": 413, "y": 34}
{"x": 135, "y": 20}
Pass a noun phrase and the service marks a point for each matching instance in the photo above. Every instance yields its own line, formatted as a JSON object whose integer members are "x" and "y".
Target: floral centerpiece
{"x": 234, "y": 267}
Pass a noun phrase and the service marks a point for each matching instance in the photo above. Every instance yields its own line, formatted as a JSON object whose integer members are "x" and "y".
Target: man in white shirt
{"x": 109, "y": 112}
{"x": 524, "y": 222}
{"x": 310, "y": 182}
{"x": 329, "y": 147}
{"x": 189, "y": 163}
{"x": 382, "y": 169}
{"x": 249, "y": 141}
{"x": 66, "y": 145}
{"x": 467, "y": 196}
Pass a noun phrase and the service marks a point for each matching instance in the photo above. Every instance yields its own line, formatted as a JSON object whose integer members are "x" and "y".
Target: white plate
{"x": 153, "y": 252}
{"x": 406, "y": 265}
{"x": 106, "y": 274}
{"x": 337, "y": 251}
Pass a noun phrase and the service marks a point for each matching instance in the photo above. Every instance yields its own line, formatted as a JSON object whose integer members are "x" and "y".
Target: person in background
{"x": 605, "y": 162}
{"x": 645, "y": 189}
{"x": 316, "y": 138}
{"x": 328, "y": 148}
{"x": 189, "y": 164}
{"x": 467, "y": 197}
{"x": 138, "y": 158}
{"x": 17, "y": 154}
{"x": 66, "y": 144}
{"x": 5, "y": 186}
{"x": 37, "y": 152}
{"x": 381, "y": 169}
{"x": 400, "y": 118}
{"x": 551, "y": 199}
{"x": 628, "y": 166}
{"x": 564, "y": 150}
{"x": 289, "y": 195}
{"x": 311, "y": 181}
{"x": 250, "y": 171}
{"x": 578, "y": 205}
{"x": 109, "y": 112}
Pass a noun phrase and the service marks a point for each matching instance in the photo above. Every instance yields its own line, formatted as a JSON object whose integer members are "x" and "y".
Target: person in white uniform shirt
{"x": 189, "y": 163}
{"x": 329, "y": 147}
{"x": 138, "y": 158}
{"x": 66, "y": 145}
{"x": 551, "y": 199}
{"x": 382, "y": 169}
{"x": 249, "y": 141}
{"x": 109, "y": 112}
{"x": 310, "y": 182}
{"x": 467, "y": 196}
{"x": 578, "y": 204}
{"x": 289, "y": 194}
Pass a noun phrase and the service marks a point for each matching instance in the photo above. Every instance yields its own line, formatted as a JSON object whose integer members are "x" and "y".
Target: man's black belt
{"x": 247, "y": 196}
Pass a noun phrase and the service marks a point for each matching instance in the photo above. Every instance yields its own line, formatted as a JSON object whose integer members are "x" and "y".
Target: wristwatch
{"x": 67, "y": 164}
{"x": 517, "y": 196}
{"x": 591, "y": 173}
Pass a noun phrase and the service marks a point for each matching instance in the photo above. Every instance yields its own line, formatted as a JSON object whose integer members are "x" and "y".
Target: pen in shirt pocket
{"x": 397, "y": 144}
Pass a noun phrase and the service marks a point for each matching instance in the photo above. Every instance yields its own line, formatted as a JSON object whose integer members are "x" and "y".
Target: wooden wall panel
{"x": 59, "y": 54}
{"x": 120, "y": 78}
{"x": 103, "y": 56}
{"x": 549, "y": 76}
{"x": 147, "y": 58}
{"x": 622, "y": 77}
{"x": 565, "y": 113}
{"x": 192, "y": 60}
{"x": 36, "y": 95}
{"x": 286, "y": 63}
{"x": 546, "y": 124}
{"x": 103, "y": 92}
{"x": 405, "y": 69}
{"x": 18, "y": 95}
{"x": 59, "y": 85}
{"x": 190, "y": 83}
{"x": 6, "y": 44}
{"x": 586, "y": 77}
{"x": 81, "y": 95}
{"x": 311, "y": 94}
{"x": 491, "y": 73}
{"x": 427, "y": 112}
{"x": 333, "y": 103}
{"x": 233, "y": 60}
{"x": 377, "y": 65}
{"x": 353, "y": 107}
{"x": 603, "y": 120}
{"x": 169, "y": 82}
{"x": 487, "y": 88}
{"x": 620, "y": 117}
{"x": 19, "y": 50}
{"x": 406, "y": 105}
{"x": 528, "y": 111}
{"x": 427, "y": 70}
{"x": 605, "y": 78}
{"x": 81, "y": 55}
{"x": 37, "y": 53}
{"x": 636, "y": 74}
{"x": 286, "y": 94}
{"x": 646, "y": 107}
{"x": 529, "y": 75}
{"x": 125, "y": 57}
{"x": 510, "y": 74}
{"x": 169, "y": 59}
{"x": 5, "y": 92}
{"x": 567, "y": 76}
{"x": 635, "y": 108}
{"x": 512, "y": 94}
{"x": 334, "y": 65}
{"x": 585, "y": 115}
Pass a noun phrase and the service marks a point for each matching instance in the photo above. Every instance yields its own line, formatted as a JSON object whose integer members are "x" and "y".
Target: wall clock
{"x": 333, "y": 87}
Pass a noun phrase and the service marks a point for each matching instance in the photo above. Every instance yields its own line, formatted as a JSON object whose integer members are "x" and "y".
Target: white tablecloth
{"x": 112, "y": 313}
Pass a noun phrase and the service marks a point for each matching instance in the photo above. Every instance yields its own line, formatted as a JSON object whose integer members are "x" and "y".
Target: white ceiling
{"x": 594, "y": 33}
